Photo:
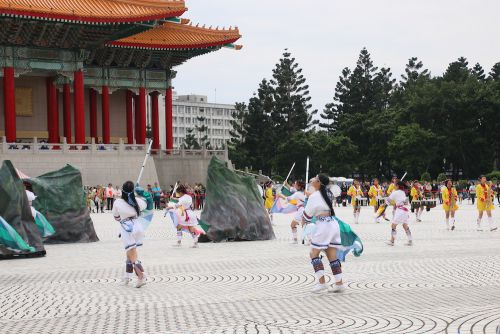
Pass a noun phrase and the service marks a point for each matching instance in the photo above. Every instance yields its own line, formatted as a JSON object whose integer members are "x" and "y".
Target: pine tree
{"x": 238, "y": 132}
{"x": 292, "y": 108}
{"x": 478, "y": 72}
{"x": 190, "y": 142}
{"x": 495, "y": 72}
{"x": 414, "y": 70}
{"x": 457, "y": 71}
{"x": 202, "y": 132}
{"x": 384, "y": 85}
{"x": 333, "y": 111}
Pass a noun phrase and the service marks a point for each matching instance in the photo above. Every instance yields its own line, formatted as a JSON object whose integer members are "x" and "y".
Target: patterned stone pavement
{"x": 448, "y": 282}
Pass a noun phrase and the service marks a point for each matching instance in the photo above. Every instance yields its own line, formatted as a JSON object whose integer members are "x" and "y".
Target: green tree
{"x": 190, "y": 142}
{"x": 292, "y": 110}
{"x": 495, "y": 72}
{"x": 478, "y": 72}
{"x": 202, "y": 130}
{"x": 412, "y": 149}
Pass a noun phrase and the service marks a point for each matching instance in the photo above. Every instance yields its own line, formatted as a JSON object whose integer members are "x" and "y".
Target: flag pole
{"x": 148, "y": 153}
{"x": 289, "y": 173}
{"x": 404, "y": 176}
{"x": 307, "y": 171}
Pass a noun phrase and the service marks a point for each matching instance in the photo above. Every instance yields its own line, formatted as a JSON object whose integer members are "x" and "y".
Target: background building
{"x": 186, "y": 111}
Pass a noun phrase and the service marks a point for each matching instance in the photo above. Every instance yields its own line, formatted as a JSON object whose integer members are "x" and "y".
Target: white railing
{"x": 41, "y": 147}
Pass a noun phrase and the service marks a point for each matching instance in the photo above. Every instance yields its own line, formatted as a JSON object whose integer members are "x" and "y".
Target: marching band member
{"x": 484, "y": 195}
{"x": 356, "y": 193}
{"x": 299, "y": 197}
{"x": 375, "y": 193}
{"x": 127, "y": 210}
{"x": 450, "y": 197}
{"x": 392, "y": 186}
{"x": 401, "y": 214}
{"x": 327, "y": 236}
{"x": 416, "y": 196}
{"x": 189, "y": 219}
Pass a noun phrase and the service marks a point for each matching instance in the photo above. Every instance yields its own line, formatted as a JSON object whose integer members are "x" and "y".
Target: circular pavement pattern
{"x": 448, "y": 282}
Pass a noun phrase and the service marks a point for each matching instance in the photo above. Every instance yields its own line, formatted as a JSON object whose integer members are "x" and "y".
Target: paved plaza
{"x": 448, "y": 282}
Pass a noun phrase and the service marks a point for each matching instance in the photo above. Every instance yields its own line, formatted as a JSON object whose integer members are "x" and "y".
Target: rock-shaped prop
{"x": 234, "y": 209}
{"x": 19, "y": 236}
{"x": 61, "y": 199}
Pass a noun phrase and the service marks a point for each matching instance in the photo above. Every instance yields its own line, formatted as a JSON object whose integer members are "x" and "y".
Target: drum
{"x": 415, "y": 205}
{"x": 363, "y": 201}
{"x": 429, "y": 204}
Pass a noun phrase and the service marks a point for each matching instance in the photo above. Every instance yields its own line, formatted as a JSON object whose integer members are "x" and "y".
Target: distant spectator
{"x": 157, "y": 196}
{"x": 110, "y": 197}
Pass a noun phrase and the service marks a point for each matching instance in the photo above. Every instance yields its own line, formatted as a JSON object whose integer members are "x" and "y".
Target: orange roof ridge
{"x": 171, "y": 35}
{"x": 94, "y": 11}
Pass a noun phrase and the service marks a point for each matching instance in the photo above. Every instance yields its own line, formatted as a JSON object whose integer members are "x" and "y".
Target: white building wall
{"x": 186, "y": 109}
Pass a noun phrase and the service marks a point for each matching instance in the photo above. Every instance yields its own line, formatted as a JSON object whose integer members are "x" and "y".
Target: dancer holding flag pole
{"x": 127, "y": 210}
{"x": 332, "y": 236}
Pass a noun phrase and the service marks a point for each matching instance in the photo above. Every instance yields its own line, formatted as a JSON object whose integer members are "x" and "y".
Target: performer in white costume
{"x": 401, "y": 213}
{"x": 297, "y": 198}
{"x": 328, "y": 236}
{"x": 188, "y": 220}
{"x": 127, "y": 210}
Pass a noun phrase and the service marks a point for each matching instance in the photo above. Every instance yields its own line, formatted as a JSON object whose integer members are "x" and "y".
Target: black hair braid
{"x": 327, "y": 195}
{"x": 128, "y": 196}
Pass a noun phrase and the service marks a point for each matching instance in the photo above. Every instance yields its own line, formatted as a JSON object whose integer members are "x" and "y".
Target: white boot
{"x": 319, "y": 288}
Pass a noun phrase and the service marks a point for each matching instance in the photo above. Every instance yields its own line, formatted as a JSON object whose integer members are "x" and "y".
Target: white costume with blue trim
{"x": 327, "y": 232}
{"x": 131, "y": 227}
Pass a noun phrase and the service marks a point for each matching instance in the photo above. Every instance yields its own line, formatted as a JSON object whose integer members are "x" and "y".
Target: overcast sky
{"x": 327, "y": 35}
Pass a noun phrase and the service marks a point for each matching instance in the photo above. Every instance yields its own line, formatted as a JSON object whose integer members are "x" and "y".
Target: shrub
{"x": 441, "y": 177}
{"x": 425, "y": 177}
{"x": 494, "y": 176}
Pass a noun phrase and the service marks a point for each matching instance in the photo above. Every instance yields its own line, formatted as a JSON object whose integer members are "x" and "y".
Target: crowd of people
{"x": 430, "y": 190}
{"x": 101, "y": 198}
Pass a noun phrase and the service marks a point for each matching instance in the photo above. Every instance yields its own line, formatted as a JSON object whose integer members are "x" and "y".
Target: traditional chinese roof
{"x": 169, "y": 36}
{"x": 93, "y": 11}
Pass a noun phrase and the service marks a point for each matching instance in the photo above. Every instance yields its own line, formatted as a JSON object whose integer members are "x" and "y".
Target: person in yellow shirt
{"x": 450, "y": 198}
{"x": 356, "y": 194}
{"x": 269, "y": 198}
{"x": 484, "y": 195}
{"x": 375, "y": 194}
{"x": 416, "y": 196}
{"x": 392, "y": 186}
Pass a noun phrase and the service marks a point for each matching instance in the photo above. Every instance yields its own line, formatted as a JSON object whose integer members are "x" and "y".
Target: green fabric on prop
{"x": 43, "y": 225}
{"x": 61, "y": 199}
{"x": 286, "y": 192}
{"x": 204, "y": 226}
{"x": 11, "y": 239}
{"x": 15, "y": 210}
{"x": 234, "y": 209}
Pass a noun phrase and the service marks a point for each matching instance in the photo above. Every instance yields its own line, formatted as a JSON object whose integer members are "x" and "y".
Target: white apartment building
{"x": 186, "y": 110}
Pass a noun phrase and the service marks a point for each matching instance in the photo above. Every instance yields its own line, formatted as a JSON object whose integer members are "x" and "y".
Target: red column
{"x": 9, "y": 102}
{"x": 79, "y": 107}
{"x": 136, "y": 117}
{"x": 67, "y": 112}
{"x": 93, "y": 114}
{"x": 155, "y": 121}
{"x": 52, "y": 111}
{"x": 105, "y": 115}
{"x": 130, "y": 122}
{"x": 141, "y": 117}
{"x": 169, "y": 127}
